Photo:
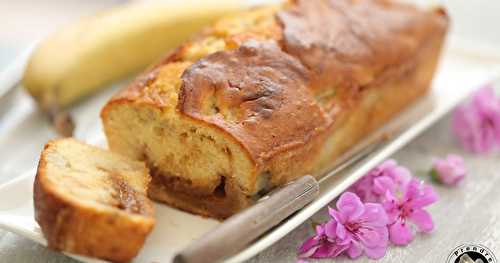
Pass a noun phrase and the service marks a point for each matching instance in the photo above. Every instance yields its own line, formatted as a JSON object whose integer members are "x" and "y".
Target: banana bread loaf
{"x": 267, "y": 95}
{"x": 92, "y": 202}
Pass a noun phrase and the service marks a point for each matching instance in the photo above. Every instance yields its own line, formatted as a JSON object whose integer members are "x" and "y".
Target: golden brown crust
{"x": 115, "y": 233}
{"x": 346, "y": 42}
{"x": 297, "y": 94}
{"x": 247, "y": 92}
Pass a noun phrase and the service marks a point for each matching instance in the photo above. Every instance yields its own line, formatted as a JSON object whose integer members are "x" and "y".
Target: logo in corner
{"x": 471, "y": 253}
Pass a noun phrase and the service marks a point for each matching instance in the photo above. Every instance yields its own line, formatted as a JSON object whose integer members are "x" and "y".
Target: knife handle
{"x": 238, "y": 231}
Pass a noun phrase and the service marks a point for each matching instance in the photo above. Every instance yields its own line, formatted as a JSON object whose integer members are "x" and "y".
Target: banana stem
{"x": 62, "y": 122}
{"x": 59, "y": 118}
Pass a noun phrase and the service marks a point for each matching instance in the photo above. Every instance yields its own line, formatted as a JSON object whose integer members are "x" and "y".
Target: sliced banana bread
{"x": 92, "y": 202}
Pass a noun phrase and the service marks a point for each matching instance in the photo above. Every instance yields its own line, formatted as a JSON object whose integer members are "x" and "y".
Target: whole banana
{"x": 85, "y": 56}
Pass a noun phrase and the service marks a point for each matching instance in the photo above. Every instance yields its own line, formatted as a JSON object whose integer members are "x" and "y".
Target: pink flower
{"x": 477, "y": 123}
{"x": 324, "y": 244}
{"x": 388, "y": 176}
{"x": 409, "y": 208}
{"x": 363, "y": 226}
{"x": 449, "y": 171}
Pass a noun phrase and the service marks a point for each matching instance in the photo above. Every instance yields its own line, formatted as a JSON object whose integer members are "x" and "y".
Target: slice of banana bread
{"x": 92, "y": 202}
{"x": 270, "y": 94}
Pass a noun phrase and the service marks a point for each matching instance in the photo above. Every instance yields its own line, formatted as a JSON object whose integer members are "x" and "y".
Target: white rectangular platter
{"x": 23, "y": 132}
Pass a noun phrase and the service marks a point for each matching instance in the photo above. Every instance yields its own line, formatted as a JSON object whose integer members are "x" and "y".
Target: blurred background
{"x": 24, "y": 21}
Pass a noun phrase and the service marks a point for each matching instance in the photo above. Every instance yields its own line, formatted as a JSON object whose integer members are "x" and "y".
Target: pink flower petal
{"x": 320, "y": 230}
{"x": 423, "y": 220}
{"x": 391, "y": 207}
{"x": 388, "y": 165}
{"x": 341, "y": 231}
{"x": 400, "y": 234}
{"x": 449, "y": 171}
{"x": 401, "y": 176}
{"x": 336, "y": 215}
{"x": 325, "y": 251}
{"x": 374, "y": 215}
{"x": 456, "y": 160}
{"x": 356, "y": 227}
{"x": 330, "y": 229}
{"x": 370, "y": 238}
{"x": 412, "y": 189}
{"x": 487, "y": 105}
{"x": 320, "y": 245}
{"x": 382, "y": 184}
{"x": 312, "y": 244}
{"x": 309, "y": 247}
{"x": 477, "y": 123}
{"x": 355, "y": 250}
{"x": 375, "y": 252}
{"x": 350, "y": 206}
{"x": 338, "y": 249}
{"x": 427, "y": 196}
{"x": 383, "y": 232}
{"x": 329, "y": 250}
{"x": 485, "y": 101}
{"x": 466, "y": 125}
{"x": 419, "y": 194}
{"x": 387, "y": 176}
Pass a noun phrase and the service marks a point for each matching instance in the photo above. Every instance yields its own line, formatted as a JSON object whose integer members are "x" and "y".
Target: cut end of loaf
{"x": 92, "y": 202}
{"x": 196, "y": 166}
{"x": 193, "y": 166}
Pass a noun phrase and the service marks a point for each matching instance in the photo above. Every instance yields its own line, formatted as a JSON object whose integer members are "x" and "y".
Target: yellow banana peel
{"x": 83, "y": 57}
